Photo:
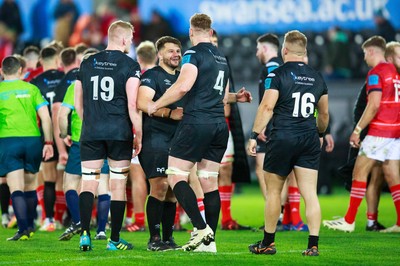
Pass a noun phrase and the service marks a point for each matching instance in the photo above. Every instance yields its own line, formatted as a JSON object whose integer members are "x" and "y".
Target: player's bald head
{"x": 295, "y": 42}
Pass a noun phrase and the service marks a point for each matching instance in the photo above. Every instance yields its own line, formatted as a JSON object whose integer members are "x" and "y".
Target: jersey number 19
{"x": 303, "y": 104}
{"x": 106, "y": 87}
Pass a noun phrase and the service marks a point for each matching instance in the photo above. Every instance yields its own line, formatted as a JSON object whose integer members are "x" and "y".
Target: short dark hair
{"x": 376, "y": 41}
{"x": 21, "y": 59}
{"x": 80, "y": 48}
{"x": 48, "y": 52}
{"x": 201, "y": 21}
{"x": 31, "y": 49}
{"x": 10, "y": 65}
{"x": 269, "y": 38}
{"x": 167, "y": 39}
{"x": 68, "y": 56}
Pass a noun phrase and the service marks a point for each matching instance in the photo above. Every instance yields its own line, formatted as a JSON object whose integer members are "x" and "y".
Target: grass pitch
{"x": 336, "y": 248}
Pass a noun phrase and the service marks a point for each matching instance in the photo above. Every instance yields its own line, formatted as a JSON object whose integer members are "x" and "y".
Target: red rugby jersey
{"x": 384, "y": 78}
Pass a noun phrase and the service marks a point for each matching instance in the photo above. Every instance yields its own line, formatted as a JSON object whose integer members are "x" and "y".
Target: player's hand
{"x": 137, "y": 146}
{"x": 262, "y": 136}
{"x": 151, "y": 108}
{"x": 355, "y": 140}
{"x": 63, "y": 158}
{"x": 330, "y": 143}
{"x": 251, "y": 147}
{"x": 243, "y": 96}
{"x": 67, "y": 140}
{"x": 48, "y": 152}
{"x": 177, "y": 114}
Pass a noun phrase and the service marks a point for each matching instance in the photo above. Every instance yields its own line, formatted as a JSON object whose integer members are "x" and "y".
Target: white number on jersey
{"x": 303, "y": 104}
{"x": 396, "y": 83}
{"x": 219, "y": 84}
{"x": 50, "y": 95}
{"x": 106, "y": 86}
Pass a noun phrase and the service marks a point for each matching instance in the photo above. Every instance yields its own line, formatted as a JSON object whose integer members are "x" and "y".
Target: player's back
{"x": 47, "y": 82}
{"x": 300, "y": 88}
{"x": 384, "y": 78}
{"x": 205, "y": 100}
{"x": 104, "y": 76}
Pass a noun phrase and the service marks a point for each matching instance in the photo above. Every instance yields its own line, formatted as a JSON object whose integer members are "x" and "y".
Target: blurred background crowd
{"x": 335, "y": 30}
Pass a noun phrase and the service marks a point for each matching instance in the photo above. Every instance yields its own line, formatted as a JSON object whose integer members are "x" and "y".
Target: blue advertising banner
{"x": 259, "y": 16}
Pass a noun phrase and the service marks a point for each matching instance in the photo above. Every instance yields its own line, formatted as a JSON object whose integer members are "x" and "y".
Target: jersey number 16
{"x": 303, "y": 104}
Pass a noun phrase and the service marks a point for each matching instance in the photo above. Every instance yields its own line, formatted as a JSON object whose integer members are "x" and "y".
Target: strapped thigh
{"x": 90, "y": 174}
{"x": 119, "y": 172}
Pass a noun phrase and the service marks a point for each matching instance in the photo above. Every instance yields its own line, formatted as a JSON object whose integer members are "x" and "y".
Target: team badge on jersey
{"x": 373, "y": 80}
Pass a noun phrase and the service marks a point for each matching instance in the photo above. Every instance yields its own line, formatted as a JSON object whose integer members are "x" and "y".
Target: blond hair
{"x": 390, "y": 49}
{"x": 296, "y": 42}
{"x": 146, "y": 51}
{"x": 119, "y": 29}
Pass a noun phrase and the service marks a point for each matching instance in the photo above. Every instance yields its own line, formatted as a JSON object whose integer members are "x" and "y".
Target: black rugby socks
{"x": 212, "y": 207}
{"x": 187, "y": 199}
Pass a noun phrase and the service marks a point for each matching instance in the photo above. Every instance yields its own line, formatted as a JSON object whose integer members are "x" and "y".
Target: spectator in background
{"x": 65, "y": 14}
{"x": 383, "y": 26}
{"x": 10, "y": 27}
{"x": 10, "y": 16}
{"x": 337, "y": 57}
{"x": 157, "y": 27}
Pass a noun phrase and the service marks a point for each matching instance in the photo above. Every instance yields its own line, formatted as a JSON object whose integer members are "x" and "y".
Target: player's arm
{"x": 323, "y": 114}
{"x": 145, "y": 97}
{"x": 374, "y": 100}
{"x": 241, "y": 96}
{"x": 63, "y": 123}
{"x": 45, "y": 120}
{"x": 78, "y": 98}
{"x": 263, "y": 116}
{"x": 63, "y": 154}
{"x": 132, "y": 88}
{"x": 182, "y": 85}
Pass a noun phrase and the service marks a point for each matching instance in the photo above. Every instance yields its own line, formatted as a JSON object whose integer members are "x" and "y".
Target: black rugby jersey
{"x": 204, "y": 102}
{"x": 158, "y": 131}
{"x": 47, "y": 82}
{"x": 270, "y": 66}
{"x": 61, "y": 89}
{"x": 300, "y": 88}
{"x": 105, "y": 103}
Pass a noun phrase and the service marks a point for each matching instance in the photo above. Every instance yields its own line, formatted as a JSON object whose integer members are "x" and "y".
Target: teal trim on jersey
{"x": 271, "y": 68}
{"x": 373, "y": 80}
{"x": 42, "y": 104}
{"x": 186, "y": 59}
{"x": 267, "y": 83}
{"x": 68, "y": 106}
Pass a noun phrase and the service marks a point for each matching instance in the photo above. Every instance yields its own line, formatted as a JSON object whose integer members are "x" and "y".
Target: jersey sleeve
{"x": 134, "y": 70}
{"x": 272, "y": 81}
{"x": 323, "y": 84}
{"x": 374, "y": 81}
{"x": 38, "y": 97}
{"x": 190, "y": 56}
{"x": 149, "y": 80}
{"x": 69, "y": 100}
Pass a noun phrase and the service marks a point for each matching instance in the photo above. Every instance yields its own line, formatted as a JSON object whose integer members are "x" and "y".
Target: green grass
{"x": 357, "y": 248}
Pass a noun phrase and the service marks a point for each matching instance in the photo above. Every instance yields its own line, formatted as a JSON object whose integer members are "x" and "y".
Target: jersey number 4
{"x": 303, "y": 104}
{"x": 106, "y": 87}
{"x": 219, "y": 84}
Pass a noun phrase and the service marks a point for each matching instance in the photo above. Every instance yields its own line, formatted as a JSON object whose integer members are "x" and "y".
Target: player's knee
{"x": 206, "y": 174}
{"x": 119, "y": 172}
{"x": 176, "y": 171}
{"x": 89, "y": 174}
